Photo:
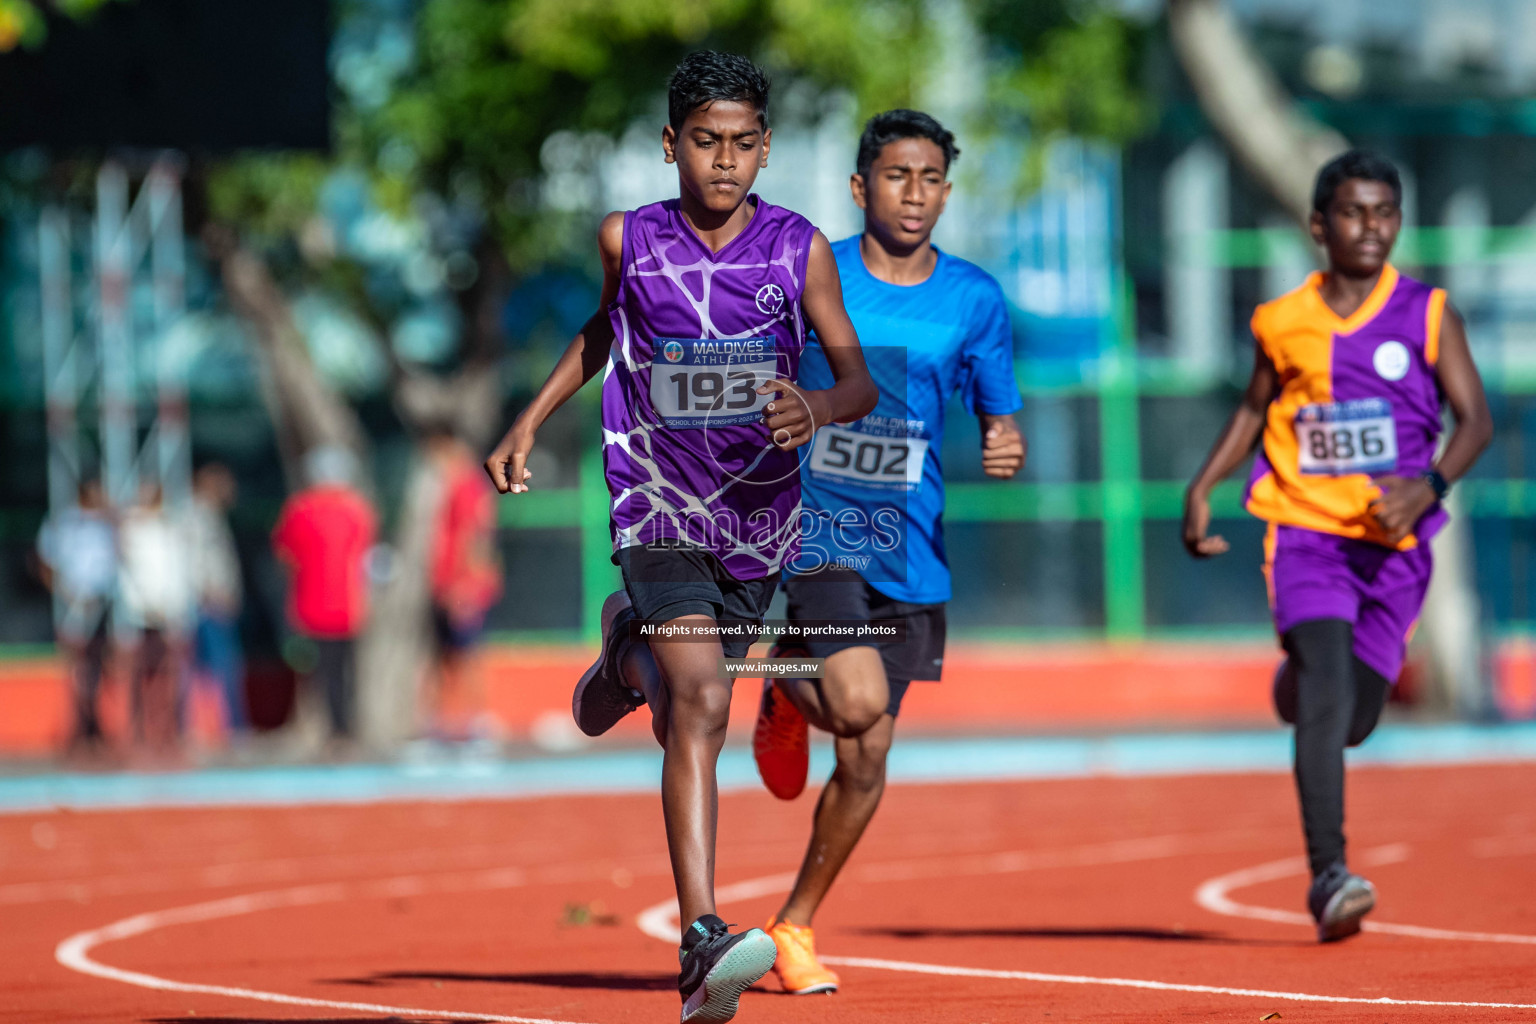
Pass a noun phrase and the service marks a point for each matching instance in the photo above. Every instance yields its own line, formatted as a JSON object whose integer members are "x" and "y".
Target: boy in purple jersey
{"x": 706, "y": 303}
{"x": 1349, "y": 373}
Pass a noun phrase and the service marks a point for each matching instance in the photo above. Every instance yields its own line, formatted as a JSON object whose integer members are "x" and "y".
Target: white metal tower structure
{"x": 105, "y": 346}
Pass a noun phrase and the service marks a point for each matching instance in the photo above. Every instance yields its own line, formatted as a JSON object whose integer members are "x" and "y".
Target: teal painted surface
{"x": 639, "y": 771}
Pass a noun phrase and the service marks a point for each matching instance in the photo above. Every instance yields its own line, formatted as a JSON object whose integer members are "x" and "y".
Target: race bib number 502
{"x": 869, "y": 460}
{"x": 711, "y": 382}
{"x": 1337, "y": 438}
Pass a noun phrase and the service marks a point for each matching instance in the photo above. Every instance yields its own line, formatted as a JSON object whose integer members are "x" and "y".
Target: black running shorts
{"x": 839, "y": 594}
{"x": 668, "y": 583}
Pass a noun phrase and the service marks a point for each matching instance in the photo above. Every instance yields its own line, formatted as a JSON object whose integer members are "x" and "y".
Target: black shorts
{"x": 668, "y": 583}
{"x": 842, "y": 594}
{"x": 454, "y": 636}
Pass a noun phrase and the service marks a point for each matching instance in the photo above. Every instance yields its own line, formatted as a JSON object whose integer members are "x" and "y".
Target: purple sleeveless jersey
{"x": 1359, "y": 400}
{"x": 687, "y": 456}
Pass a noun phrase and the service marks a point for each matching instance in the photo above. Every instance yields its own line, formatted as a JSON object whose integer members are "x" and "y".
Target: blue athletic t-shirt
{"x": 875, "y": 487}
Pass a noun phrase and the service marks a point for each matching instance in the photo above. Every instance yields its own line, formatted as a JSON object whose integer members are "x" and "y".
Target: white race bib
{"x": 711, "y": 382}
{"x": 869, "y": 460}
{"x": 1338, "y": 438}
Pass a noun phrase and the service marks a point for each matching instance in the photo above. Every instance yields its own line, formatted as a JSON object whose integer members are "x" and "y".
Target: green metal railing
{"x": 1121, "y": 501}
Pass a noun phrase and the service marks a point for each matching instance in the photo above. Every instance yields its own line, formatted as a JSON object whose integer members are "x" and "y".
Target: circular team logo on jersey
{"x": 673, "y": 351}
{"x": 770, "y": 299}
{"x": 1391, "y": 360}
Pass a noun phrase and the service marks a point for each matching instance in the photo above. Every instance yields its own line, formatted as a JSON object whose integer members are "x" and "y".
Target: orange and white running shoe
{"x": 799, "y": 971}
{"x": 781, "y": 744}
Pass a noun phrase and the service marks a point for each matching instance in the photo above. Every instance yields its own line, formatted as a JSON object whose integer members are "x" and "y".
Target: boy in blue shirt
{"x": 873, "y": 493}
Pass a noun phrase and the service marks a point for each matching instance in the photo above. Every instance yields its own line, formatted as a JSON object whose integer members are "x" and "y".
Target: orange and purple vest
{"x": 1359, "y": 399}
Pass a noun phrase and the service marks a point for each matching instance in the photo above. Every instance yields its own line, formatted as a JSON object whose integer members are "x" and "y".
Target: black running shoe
{"x": 1338, "y": 900}
{"x": 1284, "y": 692}
{"x": 601, "y": 697}
{"x": 718, "y": 967}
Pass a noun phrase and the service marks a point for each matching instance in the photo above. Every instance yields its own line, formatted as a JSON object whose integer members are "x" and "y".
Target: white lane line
{"x": 1214, "y": 895}
{"x": 1504, "y": 846}
{"x": 75, "y": 951}
{"x": 292, "y": 869}
{"x": 660, "y": 920}
{"x": 230, "y": 874}
{"x": 1158, "y": 986}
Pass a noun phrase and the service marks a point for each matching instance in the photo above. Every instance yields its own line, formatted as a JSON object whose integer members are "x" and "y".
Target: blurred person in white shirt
{"x": 78, "y": 558}
{"x": 158, "y": 604}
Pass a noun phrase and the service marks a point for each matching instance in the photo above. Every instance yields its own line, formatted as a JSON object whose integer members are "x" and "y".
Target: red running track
{"x": 1040, "y": 901}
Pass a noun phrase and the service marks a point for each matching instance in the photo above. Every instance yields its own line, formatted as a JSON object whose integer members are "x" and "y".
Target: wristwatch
{"x": 1437, "y": 483}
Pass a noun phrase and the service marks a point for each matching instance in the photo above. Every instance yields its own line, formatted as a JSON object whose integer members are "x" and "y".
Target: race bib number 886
{"x": 1338, "y": 438}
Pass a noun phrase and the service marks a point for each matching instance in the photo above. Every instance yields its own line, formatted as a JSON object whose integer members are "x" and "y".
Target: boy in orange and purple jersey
{"x": 1349, "y": 374}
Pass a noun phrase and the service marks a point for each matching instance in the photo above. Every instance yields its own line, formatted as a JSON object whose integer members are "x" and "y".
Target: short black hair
{"x": 708, "y": 75}
{"x": 1357, "y": 163}
{"x": 895, "y": 125}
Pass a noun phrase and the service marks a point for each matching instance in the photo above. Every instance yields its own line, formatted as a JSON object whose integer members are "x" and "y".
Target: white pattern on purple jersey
{"x": 686, "y": 453}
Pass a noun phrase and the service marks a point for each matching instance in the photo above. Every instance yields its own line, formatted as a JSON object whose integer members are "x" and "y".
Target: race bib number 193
{"x": 868, "y": 460}
{"x": 1339, "y": 438}
{"x": 711, "y": 382}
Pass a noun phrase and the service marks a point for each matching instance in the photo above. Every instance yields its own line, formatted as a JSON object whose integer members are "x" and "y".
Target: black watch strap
{"x": 1437, "y": 483}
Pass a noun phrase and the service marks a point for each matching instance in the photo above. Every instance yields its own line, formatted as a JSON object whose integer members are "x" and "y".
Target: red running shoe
{"x": 781, "y": 742}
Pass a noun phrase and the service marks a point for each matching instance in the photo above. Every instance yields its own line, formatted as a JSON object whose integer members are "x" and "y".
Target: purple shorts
{"x": 1316, "y": 575}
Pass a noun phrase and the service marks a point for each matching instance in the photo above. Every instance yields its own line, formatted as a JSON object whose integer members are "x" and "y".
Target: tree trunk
{"x": 395, "y": 649}
{"x": 398, "y": 652}
{"x": 306, "y": 410}
{"x": 1276, "y": 143}
{"x": 395, "y": 653}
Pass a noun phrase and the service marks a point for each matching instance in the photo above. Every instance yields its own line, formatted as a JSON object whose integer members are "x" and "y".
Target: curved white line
{"x": 75, "y": 951}
{"x": 1213, "y": 895}
{"x": 1158, "y": 986}
{"x": 660, "y": 920}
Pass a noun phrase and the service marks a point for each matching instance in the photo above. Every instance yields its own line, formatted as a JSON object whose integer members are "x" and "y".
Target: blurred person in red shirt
{"x": 323, "y": 535}
{"x": 466, "y": 580}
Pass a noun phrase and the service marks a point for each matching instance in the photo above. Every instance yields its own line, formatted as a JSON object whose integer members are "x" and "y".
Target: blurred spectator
{"x": 158, "y": 603}
{"x": 466, "y": 580}
{"x": 216, "y": 576}
{"x": 323, "y": 535}
{"x": 77, "y": 553}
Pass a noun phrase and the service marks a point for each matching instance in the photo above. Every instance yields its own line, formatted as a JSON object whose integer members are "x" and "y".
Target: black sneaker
{"x": 1338, "y": 900}
{"x": 718, "y": 967}
{"x": 1284, "y": 692}
{"x": 601, "y": 697}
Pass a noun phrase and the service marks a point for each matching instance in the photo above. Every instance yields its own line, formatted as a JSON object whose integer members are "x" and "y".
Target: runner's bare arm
{"x": 1003, "y": 448}
{"x": 582, "y": 359}
{"x": 791, "y": 422}
{"x": 1404, "y": 500}
{"x": 1232, "y": 446}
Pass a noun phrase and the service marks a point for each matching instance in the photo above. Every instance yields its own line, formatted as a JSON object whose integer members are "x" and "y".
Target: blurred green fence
{"x": 1127, "y": 500}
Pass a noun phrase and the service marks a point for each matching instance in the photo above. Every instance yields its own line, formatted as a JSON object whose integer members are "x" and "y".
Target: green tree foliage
{"x": 22, "y": 22}
{"x": 1062, "y": 68}
{"x": 489, "y": 81}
